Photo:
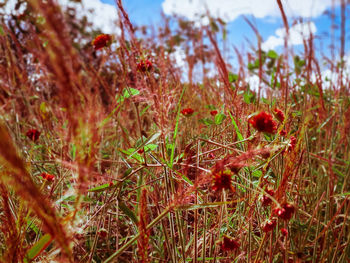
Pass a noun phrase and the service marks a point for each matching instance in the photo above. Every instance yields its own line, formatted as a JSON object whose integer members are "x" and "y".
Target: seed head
{"x": 222, "y": 180}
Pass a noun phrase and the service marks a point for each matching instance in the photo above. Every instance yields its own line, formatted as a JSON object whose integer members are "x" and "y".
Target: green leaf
{"x": 127, "y": 93}
{"x": 210, "y": 107}
{"x": 2, "y": 32}
{"x": 130, "y": 92}
{"x": 214, "y": 26}
{"x": 249, "y": 97}
{"x": 150, "y": 147}
{"x": 73, "y": 151}
{"x": 272, "y": 54}
{"x": 239, "y": 134}
{"x": 128, "y": 212}
{"x": 100, "y": 188}
{"x": 32, "y": 225}
{"x": 219, "y": 118}
{"x": 37, "y": 248}
{"x": 172, "y": 154}
{"x": 257, "y": 173}
{"x": 232, "y": 77}
{"x": 251, "y": 66}
{"x": 264, "y": 100}
{"x": 127, "y": 172}
{"x": 207, "y": 121}
{"x": 132, "y": 153}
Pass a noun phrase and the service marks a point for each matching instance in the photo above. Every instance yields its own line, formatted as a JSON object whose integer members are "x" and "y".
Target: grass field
{"x": 111, "y": 152}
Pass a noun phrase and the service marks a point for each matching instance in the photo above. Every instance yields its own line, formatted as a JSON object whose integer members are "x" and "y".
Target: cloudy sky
{"x": 264, "y": 14}
{"x": 304, "y": 17}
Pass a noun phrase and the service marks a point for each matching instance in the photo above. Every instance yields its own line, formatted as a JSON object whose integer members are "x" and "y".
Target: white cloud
{"x": 230, "y": 10}
{"x": 297, "y": 34}
{"x": 101, "y": 15}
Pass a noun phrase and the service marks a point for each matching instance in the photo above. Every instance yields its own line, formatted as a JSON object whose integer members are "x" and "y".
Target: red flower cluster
{"x": 222, "y": 180}
{"x": 267, "y": 200}
{"x": 285, "y": 212}
{"x": 33, "y": 134}
{"x": 229, "y": 244}
{"x": 187, "y": 112}
{"x": 284, "y": 232}
{"x": 211, "y": 155}
{"x": 144, "y": 65}
{"x": 269, "y": 225}
{"x": 48, "y": 177}
{"x": 279, "y": 114}
{"x": 283, "y": 133}
{"x": 213, "y": 112}
{"x": 263, "y": 122}
{"x": 292, "y": 143}
{"x": 141, "y": 151}
{"x": 103, "y": 233}
{"x": 101, "y": 41}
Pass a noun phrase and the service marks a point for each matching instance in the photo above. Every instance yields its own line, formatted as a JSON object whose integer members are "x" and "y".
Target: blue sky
{"x": 266, "y": 18}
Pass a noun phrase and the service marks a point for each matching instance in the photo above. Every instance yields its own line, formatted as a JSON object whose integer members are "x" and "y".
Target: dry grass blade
{"x": 15, "y": 175}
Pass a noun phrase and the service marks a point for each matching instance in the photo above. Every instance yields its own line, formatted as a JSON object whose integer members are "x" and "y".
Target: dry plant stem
{"x": 133, "y": 239}
{"x": 96, "y": 234}
{"x": 168, "y": 198}
{"x": 341, "y": 233}
{"x": 311, "y": 220}
{"x": 260, "y": 248}
{"x": 196, "y": 212}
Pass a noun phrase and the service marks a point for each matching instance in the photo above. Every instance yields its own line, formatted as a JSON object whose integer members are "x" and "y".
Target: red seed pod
{"x": 263, "y": 122}
{"x": 222, "y": 180}
{"x": 292, "y": 143}
{"x": 211, "y": 155}
{"x": 269, "y": 225}
{"x": 48, "y": 177}
{"x": 102, "y": 41}
{"x": 283, "y": 133}
{"x": 33, "y": 134}
{"x": 285, "y": 212}
{"x": 284, "y": 232}
{"x": 279, "y": 114}
{"x": 213, "y": 112}
{"x": 229, "y": 244}
{"x": 103, "y": 233}
{"x": 144, "y": 65}
{"x": 265, "y": 199}
{"x": 141, "y": 151}
{"x": 187, "y": 112}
